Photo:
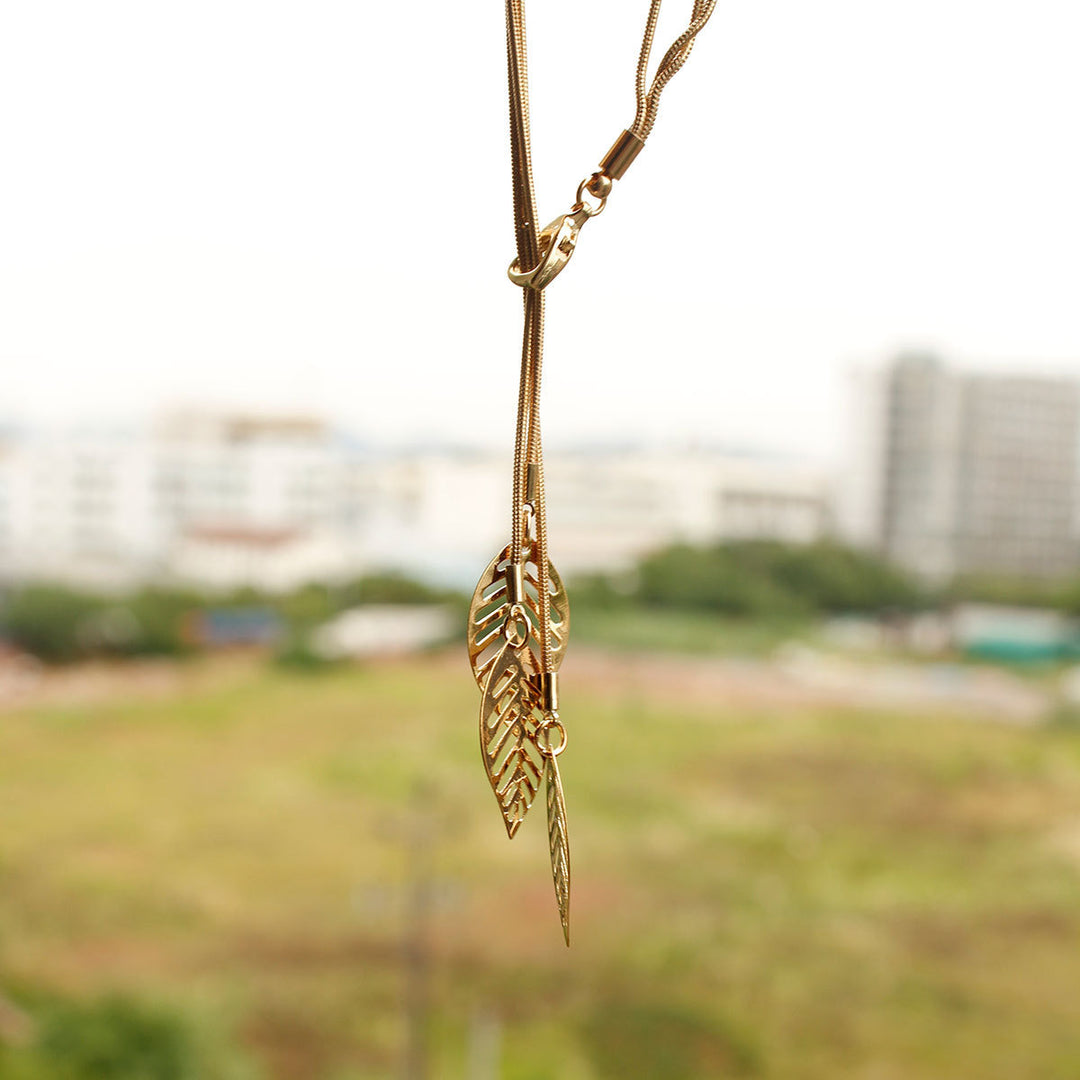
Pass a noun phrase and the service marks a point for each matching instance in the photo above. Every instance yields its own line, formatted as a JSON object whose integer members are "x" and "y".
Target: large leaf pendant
{"x": 490, "y": 609}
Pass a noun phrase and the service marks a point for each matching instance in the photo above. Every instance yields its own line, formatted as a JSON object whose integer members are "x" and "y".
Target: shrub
{"x": 764, "y": 577}
{"x": 50, "y": 621}
{"x": 117, "y": 1038}
{"x": 389, "y": 588}
{"x": 659, "y": 1039}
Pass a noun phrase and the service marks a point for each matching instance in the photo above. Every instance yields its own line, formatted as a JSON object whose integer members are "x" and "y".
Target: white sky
{"x": 308, "y": 206}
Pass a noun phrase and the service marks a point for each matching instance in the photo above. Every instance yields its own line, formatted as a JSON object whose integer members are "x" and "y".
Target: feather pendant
{"x": 491, "y": 605}
{"x": 559, "y": 842}
{"x": 510, "y": 719}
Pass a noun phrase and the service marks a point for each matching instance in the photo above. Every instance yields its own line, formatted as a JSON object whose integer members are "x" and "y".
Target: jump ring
{"x": 546, "y": 748}
{"x": 581, "y": 204}
{"x": 518, "y": 619}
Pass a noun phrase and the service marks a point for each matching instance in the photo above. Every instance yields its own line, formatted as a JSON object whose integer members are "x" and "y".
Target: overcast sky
{"x": 307, "y": 205}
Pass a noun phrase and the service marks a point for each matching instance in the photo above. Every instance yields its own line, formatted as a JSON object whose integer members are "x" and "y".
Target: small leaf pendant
{"x": 510, "y": 723}
{"x": 559, "y": 842}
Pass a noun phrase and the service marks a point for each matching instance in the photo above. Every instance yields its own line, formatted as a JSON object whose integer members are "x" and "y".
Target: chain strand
{"x": 648, "y": 100}
{"x": 536, "y": 457}
{"x": 528, "y": 444}
{"x": 528, "y": 254}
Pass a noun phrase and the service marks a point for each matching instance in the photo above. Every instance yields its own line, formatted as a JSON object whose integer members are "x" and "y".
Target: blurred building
{"x": 611, "y": 508}
{"x": 108, "y": 507}
{"x": 384, "y": 630}
{"x": 77, "y": 506}
{"x": 274, "y": 559}
{"x": 274, "y": 502}
{"x": 955, "y": 473}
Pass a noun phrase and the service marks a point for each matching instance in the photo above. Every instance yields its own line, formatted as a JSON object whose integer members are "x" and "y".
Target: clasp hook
{"x": 557, "y": 242}
{"x": 559, "y": 238}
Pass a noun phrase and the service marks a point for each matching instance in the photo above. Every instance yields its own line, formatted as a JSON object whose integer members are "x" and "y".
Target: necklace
{"x": 519, "y": 618}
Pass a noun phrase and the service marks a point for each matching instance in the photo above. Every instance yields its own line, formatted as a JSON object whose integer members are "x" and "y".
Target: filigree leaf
{"x": 491, "y": 605}
{"x": 510, "y": 718}
{"x": 559, "y": 842}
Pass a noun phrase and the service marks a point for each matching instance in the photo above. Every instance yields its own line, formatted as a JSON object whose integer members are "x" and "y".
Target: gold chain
{"x": 648, "y": 101}
{"x": 519, "y": 618}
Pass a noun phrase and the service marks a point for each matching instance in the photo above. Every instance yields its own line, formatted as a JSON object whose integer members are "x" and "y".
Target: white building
{"x": 274, "y": 502}
{"x": 109, "y": 507}
{"x": 273, "y": 559}
{"x": 79, "y": 506}
{"x": 384, "y": 630}
{"x": 957, "y": 473}
{"x": 607, "y": 510}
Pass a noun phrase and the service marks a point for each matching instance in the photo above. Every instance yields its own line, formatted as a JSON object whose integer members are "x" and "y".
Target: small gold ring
{"x": 518, "y": 618}
{"x": 546, "y": 748}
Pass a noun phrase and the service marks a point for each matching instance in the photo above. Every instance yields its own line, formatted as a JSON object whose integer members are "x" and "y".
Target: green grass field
{"x": 692, "y": 632}
{"x": 798, "y": 895}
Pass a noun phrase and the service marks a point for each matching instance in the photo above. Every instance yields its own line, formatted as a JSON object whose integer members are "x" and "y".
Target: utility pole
{"x": 417, "y": 832}
{"x": 485, "y": 1038}
{"x": 417, "y": 945}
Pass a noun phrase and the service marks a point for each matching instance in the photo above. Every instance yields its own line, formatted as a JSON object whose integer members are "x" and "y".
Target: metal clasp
{"x": 558, "y": 240}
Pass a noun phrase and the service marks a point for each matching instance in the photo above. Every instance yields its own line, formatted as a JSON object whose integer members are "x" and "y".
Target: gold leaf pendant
{"x": 559, "y": 842}
{"x": 491, "y": 606}
{"x": 510, "y": 725}
{"x": 518, "y": 709}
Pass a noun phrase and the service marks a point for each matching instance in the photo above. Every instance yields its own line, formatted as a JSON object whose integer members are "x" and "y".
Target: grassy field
{"x": 671, "y": 630}
{"x": 797, "y": 894}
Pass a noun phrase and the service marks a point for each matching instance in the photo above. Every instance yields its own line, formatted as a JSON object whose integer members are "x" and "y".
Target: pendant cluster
{"x": 519, "y": 617}
{"x": 521, "y": 735}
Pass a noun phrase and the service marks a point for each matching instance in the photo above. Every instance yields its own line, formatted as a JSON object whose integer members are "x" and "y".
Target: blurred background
{"x": 814, "y": 482}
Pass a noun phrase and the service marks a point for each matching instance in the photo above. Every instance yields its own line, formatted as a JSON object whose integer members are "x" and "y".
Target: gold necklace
{"x": 519, "y": 618}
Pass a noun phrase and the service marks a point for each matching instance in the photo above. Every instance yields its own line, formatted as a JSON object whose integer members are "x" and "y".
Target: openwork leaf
{"x": 510, "y": 718}
{"x": 491, "y": 605}
{"x": 559, "y": 842}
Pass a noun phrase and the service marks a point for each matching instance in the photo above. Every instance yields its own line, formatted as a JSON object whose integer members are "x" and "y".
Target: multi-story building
{"x": 1017, "y": 497}
{"x": 73, "y": 504}
{"x": 608, "y": 509}
{"x": 275, "y": 502}
{"x": 956, "y": 473}
{"x": 110, "y": 507}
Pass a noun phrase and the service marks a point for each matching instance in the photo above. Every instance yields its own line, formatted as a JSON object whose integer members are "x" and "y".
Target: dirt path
{"x": 795, "y": 676}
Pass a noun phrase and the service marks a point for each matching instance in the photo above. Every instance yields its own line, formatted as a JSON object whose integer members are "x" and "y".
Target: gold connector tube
{"x": 547, "y": 683}
{"x": 621, "y": 155}
{"x": 532, "y": 476}
{"x": 515, "y": 582}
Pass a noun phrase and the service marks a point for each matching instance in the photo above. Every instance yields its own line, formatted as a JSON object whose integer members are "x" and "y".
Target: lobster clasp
{"x": 557, "y": 242}
{"x": 558, "y": 239}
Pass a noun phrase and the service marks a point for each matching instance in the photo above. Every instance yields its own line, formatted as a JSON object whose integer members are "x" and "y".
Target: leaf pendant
{"x": 510, "y": 719}
{"x": 559, "y": 841}
{"x": 491, "y": 605}
{"x": 515, "y": 730}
